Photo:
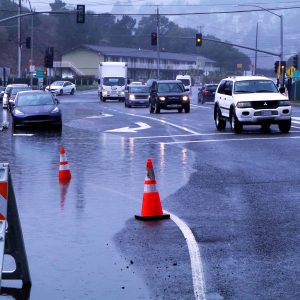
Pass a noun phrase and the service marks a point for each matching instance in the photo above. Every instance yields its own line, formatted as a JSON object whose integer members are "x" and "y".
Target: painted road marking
{"x": 181, "y": 135}
{"x": 229, "y": 140}
{"x": 141, "y": 125}
{"x": 195, "y": 256}
{"x": 99, "y": 116}
{"x": 23, "y": 134}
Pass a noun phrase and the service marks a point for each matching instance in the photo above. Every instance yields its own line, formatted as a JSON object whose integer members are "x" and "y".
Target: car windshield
{"x": 15, "y": 90}
{"x": 173, "y": 87}
{"x": 139, "y": 89}
{"x": 211, "y": 88}
{"x": 255, "y": 86}
{"x": 32, "y": 100}
{"x": 111, "y": 81}
{"x": 58, "y": 83}
{"x": 185, "y": 81}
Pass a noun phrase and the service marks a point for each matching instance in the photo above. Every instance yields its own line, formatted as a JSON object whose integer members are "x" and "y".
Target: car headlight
{"x": 55, "y": 110}
{"x": 185, "y": 98}
{"x": 162, "y": 98}
{"x": 131, "y": 97}
{"x": 122, "y": 93}
{"x": 284, "y": 103}
{"x": 104, "y": 93}
{"x": 246, "y": 104}
{"x": 17, "y": 112}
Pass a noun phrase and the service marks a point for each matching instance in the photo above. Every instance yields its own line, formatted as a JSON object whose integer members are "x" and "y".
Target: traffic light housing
{"x": 283, "y": 66}
{"x": 276, "y": 65}
{"x": 28, "y": 42}
{"x": 48, "y": 59}
{"x": 153, "y": 38}
{"x": 198, "y": 39}
{"x": 80, "y": 16}
{"x": 295, "y": 61}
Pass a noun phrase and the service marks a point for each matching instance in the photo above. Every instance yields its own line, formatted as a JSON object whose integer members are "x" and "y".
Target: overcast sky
{"x": 238, "y": 28}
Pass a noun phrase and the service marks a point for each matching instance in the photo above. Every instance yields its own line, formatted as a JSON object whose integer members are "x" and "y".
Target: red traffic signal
{"x": 153, "y": 38}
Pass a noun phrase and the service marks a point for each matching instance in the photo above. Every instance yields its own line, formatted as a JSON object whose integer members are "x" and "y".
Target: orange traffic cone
{"x": 151, "y": 208}
{"x": 64, "y": 174}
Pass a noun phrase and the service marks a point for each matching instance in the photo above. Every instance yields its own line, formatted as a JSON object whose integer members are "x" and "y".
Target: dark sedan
{"x": 36, "y": 108}
{"x": 168, "y": 94}
{"x": 138, "y": 95}
{"x": 207, "y": 93}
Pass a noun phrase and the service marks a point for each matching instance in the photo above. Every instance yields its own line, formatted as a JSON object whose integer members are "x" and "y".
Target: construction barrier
{"x": 11, "y": 237}
{"x": 151, "y": 207}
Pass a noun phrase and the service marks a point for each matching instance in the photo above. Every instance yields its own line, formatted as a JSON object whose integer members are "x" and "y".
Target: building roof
{"x": 142, "y": 53}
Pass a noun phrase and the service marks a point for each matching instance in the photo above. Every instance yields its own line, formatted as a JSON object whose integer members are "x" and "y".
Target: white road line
{"x": 200, "y": 106}
{"x": 194, "y": 251}
{"x": 165, "y": 122}
{"x": 181, "y": 135}
{"x": 23, "y": 134}
{"x": 229, "y": 140}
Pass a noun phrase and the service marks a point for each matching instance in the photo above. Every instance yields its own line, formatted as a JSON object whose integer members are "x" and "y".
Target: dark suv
{"x": 168, "y": 94}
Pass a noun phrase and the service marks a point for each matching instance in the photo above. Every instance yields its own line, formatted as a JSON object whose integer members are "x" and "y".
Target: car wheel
{"x": 187, "y": 109}
{"x": 285, "y": 126}
{"x": 236, "y": 125}
{"x": 61, "y": 92}
{"x": 72, "y": 92}
{"x": 220, "y": 123}
{"x": 151, "y": 109}
{"x": 129, "y": 105}
{"x": 156, "y": 108}
{"x": 180, "y": 110}
{"x": 103, "y": 99}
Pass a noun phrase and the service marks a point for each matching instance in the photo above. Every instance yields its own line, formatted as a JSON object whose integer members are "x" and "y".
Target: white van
{"x": 186, "y": 80}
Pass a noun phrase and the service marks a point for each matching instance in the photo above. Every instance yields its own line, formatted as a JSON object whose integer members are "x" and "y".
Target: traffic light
{"x": 198, "y": 39}
{"x": 80, "y": 16}
{"x": 283, "y": 66}
{"x": 48, "y": 59}
{"x": 295, "y": 61}
{"x": 28, "y": 42}
{"x": 153, "y": 38}
{"x": 276, "y": 65}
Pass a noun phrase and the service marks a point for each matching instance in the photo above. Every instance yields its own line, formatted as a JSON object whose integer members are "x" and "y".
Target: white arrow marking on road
{"x": 141, "y": 125}
{"x": 99, "y": 117}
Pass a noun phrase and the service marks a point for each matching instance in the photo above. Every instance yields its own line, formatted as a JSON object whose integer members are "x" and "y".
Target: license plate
{"x": 174, "y": 105}
{"x": 266, "y": 113}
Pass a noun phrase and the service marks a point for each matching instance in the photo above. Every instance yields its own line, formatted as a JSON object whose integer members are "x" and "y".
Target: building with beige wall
{"x": 142, "y": 64}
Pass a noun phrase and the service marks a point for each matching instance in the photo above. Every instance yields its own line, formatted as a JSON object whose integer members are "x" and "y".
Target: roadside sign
{"x": 290, "y": 71}
{"x": 39, "y": 73}
{"x": 296, "y": 75}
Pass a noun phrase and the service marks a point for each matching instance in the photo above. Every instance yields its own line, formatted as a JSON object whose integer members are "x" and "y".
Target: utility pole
{"x": 256, "y": 41}
{"x": 157, "y": 46}
{"x": 19, "y": 40}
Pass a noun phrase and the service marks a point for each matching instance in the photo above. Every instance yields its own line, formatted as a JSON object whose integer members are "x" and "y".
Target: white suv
{"x": 251, "y": 100}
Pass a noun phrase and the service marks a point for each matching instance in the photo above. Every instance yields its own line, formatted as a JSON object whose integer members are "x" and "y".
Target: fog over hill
{"x": 238, "y": 27}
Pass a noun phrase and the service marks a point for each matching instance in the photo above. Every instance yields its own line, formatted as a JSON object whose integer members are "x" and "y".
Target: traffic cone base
{"x": 151, "y": 207}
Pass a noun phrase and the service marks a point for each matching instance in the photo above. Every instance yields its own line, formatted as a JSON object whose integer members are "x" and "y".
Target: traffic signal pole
{"x": 157, "y": 46}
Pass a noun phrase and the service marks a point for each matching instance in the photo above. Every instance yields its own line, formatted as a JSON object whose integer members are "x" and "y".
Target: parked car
{"x": 36, "y": 108}
{"x": 138, "y": 95}
{"x": 168, "y": 94}
{"x": 61, "y": 87}
{"x": 2, "y": 89}
{"x": 11, "y": 91}
{"x": 207, "y": 93}
{"x": 251, "y": 100}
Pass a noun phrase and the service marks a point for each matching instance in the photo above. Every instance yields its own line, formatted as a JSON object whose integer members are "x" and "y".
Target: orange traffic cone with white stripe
{"x": 151, "y": 207}
{"x": 64, "y": 174}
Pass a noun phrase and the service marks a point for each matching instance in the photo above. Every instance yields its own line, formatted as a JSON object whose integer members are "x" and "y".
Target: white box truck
{"x": 186, "y": 80}
{"x": 112, "y": 81}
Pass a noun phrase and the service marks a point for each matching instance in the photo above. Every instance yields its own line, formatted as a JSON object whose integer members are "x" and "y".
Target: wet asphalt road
{"x": 239, "y": 194}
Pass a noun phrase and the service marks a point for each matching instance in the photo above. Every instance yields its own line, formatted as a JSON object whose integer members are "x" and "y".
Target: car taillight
{"x": 205, "y": 92}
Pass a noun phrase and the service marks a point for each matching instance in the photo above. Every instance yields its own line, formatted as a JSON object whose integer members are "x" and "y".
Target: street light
{"x": 281, "y": 25}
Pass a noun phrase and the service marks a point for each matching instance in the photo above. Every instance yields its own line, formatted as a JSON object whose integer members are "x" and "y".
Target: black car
{"x": 168, "y": 94}
{"x": 207, "y": 93}
{"x": 36, "y": 108}
{"x": 138, "y": 95}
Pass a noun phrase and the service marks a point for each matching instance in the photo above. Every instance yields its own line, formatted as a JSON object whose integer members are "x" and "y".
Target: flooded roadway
{"x": 72, "y": 233}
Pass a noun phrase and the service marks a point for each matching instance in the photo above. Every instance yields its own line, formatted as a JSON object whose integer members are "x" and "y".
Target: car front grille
{"x": 265, "y": 104}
